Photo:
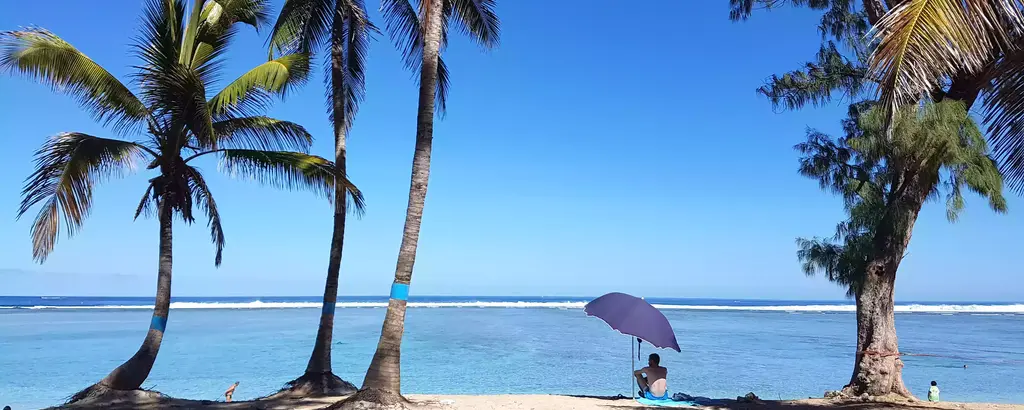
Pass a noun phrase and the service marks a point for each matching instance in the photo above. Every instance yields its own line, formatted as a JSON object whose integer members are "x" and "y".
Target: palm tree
{"x": 421, "y": 34}
{"x": 172, "y": 123}
{"x": 960, "y": 50}
{"x": 885, "y": 174}
{"x": 341, "y": 25}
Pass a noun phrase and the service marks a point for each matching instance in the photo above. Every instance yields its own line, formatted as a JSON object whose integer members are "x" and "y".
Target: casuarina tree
{"x": 840, "y": 70}
{"x": 341, "y": 26}
{"x": 885, "y": 172}
{"x": 169, "y": 121}
{"x": 965, "y": 50}
{"x": 421, "y": 33}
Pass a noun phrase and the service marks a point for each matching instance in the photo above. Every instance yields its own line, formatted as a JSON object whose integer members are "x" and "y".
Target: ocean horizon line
{"x": 492, "y": 302}
{"x": 507, "y": 297}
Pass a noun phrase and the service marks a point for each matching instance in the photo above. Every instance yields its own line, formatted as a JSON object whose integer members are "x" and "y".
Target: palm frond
{"x": 217, "y": 28}
{"x": 402, "y": 23}
{"x": 204, "y": 199}
{"x": 45, "y": 57}
{"x": 288, "y": 170}
{"x": 190, "y": 38}
{"x": 146, "y": 203}
{"x": 67, "y": 167}
{"x": 347, "y": 85}
{"x": 476, "y": 19}
{"x": 262, "y": 133}
{"x": 158, "y": 44}
{"x": 1004, "y": 109}
{"x": 303, "y": 26}
{"x": 443, "y": 82}
{"x": 251, "y": 91}
{"x": 180, "y": 94}
{"x": 921, "y": 42}
{"x": 220, "y": 14}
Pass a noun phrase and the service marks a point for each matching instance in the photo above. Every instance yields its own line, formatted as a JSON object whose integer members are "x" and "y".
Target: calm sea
{"x": 50, "y": 347}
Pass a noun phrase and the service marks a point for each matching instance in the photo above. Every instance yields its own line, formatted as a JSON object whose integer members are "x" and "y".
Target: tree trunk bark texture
{"x": 878, "y": 368}
{"x": 384, "y": 373}
{"x": 319, "y": 378}
{"x": 131, "y": 374}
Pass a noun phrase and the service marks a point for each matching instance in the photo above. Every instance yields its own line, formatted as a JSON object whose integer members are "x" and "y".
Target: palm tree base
{"x": 317, "y": 385}
{"x": 367, "y": 399}
{"x": 99, "y": 395}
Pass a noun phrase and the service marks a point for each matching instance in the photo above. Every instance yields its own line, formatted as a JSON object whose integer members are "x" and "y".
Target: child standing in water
{"x": 933, "y": 392}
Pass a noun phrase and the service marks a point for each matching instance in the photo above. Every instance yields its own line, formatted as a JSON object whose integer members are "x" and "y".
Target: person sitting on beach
{"x": 230, "y": 392}
{"x": 933, "y": 392}
{"x": 653, "y": 379}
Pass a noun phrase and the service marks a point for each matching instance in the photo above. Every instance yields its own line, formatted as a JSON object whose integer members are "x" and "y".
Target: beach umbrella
{"x": 635, "y": 317}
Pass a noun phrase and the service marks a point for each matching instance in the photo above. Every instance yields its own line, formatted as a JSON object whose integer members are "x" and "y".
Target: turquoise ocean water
{"x": 51, "y": 347}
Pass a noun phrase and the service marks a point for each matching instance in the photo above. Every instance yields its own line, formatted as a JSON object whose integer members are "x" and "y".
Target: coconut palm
{"x": 884, "y": 180}
{"x": 308, "y": 26}
{"x": 171, "y": 121}
{"x": 421, "y": 33}
{"x": 961, "y": 50}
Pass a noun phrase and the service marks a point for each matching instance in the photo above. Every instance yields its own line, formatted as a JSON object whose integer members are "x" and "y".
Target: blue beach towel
{"x": 665, "y": 403}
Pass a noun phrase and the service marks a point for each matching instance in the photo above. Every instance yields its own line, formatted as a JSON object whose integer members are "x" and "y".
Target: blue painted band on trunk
{"x": 158, "y": 323}
{"x": 399, "y": 291}
{"x": 329, "y": 309}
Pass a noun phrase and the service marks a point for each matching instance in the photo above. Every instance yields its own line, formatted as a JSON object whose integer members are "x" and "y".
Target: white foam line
{"x": 915, "y": 308}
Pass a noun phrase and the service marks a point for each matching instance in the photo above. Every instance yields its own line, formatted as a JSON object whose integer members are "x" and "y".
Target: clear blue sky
{"x": 600, "y": 148}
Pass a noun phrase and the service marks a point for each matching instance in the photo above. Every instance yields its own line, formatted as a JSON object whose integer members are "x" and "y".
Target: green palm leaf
{"x": 204, "y": 199}
{"x": 190, "y": 38}
{"x": 179, "y": 94}
{"x": 67, "y": 167}
{"x": 250, "y": 92}
{"x": 43, "y": 56}
{"x": 158, "y": 44}
{"x": 221, "y": 14}
{"x": 288, "y": 170}
{"x": 1004, "y": 110}
{"x": 302, "y": 26}
{"x": 215, "y": 30}
{"x": 262, "y": 133}
{"x": 921, "y": 42}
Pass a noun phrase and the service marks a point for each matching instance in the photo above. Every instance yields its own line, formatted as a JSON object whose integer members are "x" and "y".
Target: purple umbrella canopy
{"x": 633, "y": 316}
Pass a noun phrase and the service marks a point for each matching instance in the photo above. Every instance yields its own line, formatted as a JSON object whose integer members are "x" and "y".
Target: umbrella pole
{"x": 632, "y": 364}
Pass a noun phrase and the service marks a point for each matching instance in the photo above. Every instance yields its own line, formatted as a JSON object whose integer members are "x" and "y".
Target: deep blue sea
{"x": 51, "y": 347}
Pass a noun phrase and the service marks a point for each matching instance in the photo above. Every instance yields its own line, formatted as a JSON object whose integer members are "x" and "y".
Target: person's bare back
{"x": 653, "y": 379}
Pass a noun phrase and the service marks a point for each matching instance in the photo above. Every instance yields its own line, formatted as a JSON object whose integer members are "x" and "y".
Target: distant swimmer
{"x": 230, "y": 392}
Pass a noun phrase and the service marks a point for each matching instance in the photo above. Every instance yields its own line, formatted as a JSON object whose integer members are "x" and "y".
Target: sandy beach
{"x": 542, "y": 402}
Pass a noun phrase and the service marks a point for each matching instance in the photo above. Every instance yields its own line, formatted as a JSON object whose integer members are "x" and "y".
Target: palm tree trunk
{"x": 131, "y": 374}
{"x": 384, "y": 372}
{"x": 878, "y": 369}
{"x": 318, "y": 370}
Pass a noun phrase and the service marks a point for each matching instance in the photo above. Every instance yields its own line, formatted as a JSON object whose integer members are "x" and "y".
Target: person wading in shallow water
{"x": 230, "y": 392}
